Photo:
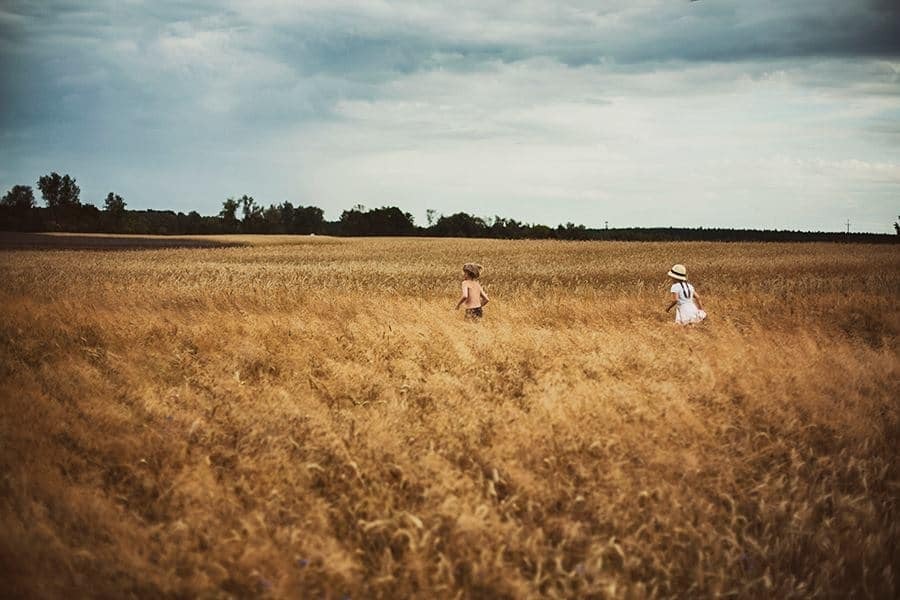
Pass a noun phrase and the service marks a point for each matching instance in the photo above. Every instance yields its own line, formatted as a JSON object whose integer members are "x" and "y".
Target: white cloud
{"x": 599, "y": 144}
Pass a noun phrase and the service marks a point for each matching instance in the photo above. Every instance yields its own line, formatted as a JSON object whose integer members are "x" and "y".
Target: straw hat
{"x": 678, "y": 272}
{"x": 474, "y": 269}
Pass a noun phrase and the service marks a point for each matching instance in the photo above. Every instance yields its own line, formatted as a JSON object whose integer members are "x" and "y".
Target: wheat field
{"x": 309, "y": 418}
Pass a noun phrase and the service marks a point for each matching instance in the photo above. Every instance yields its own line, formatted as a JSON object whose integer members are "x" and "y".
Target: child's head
{"x": 678, "y": 273}
{"x": 472, "y": 270}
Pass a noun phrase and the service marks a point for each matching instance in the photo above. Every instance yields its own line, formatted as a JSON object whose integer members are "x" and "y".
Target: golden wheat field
{"x": 310, "y": 418}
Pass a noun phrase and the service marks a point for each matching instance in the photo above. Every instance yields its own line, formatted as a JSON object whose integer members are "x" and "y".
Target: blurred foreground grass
{"x": 309, "y": 418}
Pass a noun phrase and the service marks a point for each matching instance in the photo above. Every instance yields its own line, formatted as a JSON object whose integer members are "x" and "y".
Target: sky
{"x": 763, "y": 114}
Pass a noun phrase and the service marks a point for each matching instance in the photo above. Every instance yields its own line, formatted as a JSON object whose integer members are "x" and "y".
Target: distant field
{"x": 13, "y": 240}
{"x": 308, "y": 417}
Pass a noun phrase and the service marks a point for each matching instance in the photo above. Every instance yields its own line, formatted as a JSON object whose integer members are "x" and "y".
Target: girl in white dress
{"x": 689, "y": 308}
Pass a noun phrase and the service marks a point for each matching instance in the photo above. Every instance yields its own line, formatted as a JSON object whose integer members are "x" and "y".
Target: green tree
{"x": 59, "y": 191}
{"x": 19, "y": 198}
{"x": 897, "y": 226}
{"x": 114, "y": 204}
{"x": 388, "y": 220}
{"x": 501, "y": 228}
{"x": 461, "y": 225}
{"x": 286, "y": 209}
{"x": 229, "y": 214}
{"x": 253, "y": 214}
{"x": 194, "y": 222}
{"x": 308, "y": 219}
{"x": 271, "y": 217}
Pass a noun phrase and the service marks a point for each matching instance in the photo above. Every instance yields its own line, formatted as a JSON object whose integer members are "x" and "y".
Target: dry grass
{"x": 313, "y": 420}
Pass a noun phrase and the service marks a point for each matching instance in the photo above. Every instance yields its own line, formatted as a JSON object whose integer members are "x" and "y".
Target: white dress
{"x": 686, "y": 311}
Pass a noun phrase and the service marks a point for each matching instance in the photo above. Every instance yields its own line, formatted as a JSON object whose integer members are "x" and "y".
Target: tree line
{"x": 63, "y": 211}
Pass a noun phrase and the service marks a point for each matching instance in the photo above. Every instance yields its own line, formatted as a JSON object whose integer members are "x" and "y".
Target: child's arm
{"x": 697, "y": 301}
{"x": 673, "y": 302}
{"x": 465, "y": 296}
{"x": 484, "y": 298}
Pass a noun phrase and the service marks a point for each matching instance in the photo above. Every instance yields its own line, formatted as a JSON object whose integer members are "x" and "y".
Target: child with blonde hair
{"x": 473, "y": 295}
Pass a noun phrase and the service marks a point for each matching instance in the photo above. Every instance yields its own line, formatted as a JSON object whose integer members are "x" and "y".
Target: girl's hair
{"x": 473, "y": 269}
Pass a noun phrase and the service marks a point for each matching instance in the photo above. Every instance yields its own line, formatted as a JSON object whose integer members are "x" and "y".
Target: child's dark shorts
{"x": 474, "y": 313}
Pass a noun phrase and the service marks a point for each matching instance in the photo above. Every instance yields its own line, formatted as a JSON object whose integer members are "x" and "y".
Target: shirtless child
{"x": 473, "y": 295}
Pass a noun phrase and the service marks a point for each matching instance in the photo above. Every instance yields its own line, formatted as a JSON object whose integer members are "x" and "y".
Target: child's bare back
{"x": 472, "y": 293}
{"x": 473, "y": 296}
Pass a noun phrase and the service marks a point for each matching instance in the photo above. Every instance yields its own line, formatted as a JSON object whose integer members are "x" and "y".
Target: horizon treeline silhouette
{"x": 64, "y": 212}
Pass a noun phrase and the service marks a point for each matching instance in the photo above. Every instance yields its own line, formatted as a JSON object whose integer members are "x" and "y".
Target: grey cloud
{"x": 727, "y": 32}
{"x": 886, "y": 129}
{"x": 364, "y": 50}
{"x": 133, "y": 87}
{"x": 659, "y": 32}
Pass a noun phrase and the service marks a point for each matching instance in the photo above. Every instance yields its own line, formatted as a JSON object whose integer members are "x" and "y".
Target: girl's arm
{"x": 697, "y": 301}
{"x": 673, "y": 303}
{"x": 484, "y": 298}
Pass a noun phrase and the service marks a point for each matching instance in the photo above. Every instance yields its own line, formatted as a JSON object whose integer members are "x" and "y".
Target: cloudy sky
{"x": 765, "y": 114}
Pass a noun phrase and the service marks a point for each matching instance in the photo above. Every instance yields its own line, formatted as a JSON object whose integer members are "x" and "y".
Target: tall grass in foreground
{"x": 312, "y": 420}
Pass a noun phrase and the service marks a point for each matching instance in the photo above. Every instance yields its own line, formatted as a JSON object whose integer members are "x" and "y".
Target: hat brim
{"x": 674, "y": 275}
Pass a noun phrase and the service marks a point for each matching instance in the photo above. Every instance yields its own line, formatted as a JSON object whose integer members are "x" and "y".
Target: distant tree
{"x": 194, "y": 222}
{"x": 572, "y": 232}
{"x": 59, "y": 191}
{"x": 388, "y": 220}
{"x": 308, "y": 219}
{"x": 248, "y": 206}
{"x": 286, "y": 216}
{"x": 19, "y": 198}
{"x": 897, "y": 226}
{"x": 271, "y": 217}
{"x": 229, "y": 214}
{"x": 253, "y": 215}
{"x": 429, "y": 214}
{"x": 540, "y": 232}
{"x": 460, "y": 225}
{"x": 505, "y": 228}
{"x": 114, "y": 204}
{"x": 229, "y": 209}
{"x": 114, "y": 215}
